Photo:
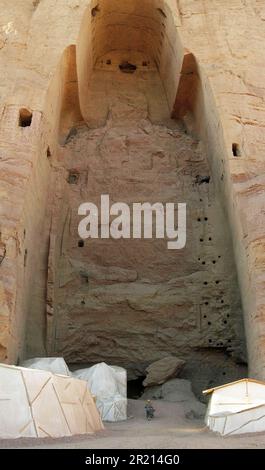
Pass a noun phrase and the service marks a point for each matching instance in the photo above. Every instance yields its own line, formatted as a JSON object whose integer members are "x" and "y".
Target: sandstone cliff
{"x": 68, "y": 111}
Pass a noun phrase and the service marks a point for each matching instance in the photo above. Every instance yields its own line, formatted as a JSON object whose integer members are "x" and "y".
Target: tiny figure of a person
{"x": 149, "y": 410}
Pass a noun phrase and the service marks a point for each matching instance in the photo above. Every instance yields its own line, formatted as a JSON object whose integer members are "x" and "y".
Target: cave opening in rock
{"x": 48, "y": 152}
{"x": 25, "y": 117}
{"x": 73, "y": 177}
{"x": 135, "y": 388}
{"x": 131, "y": 302}
{"x": 127, "y": 67}
{"x": 236, "y": 150}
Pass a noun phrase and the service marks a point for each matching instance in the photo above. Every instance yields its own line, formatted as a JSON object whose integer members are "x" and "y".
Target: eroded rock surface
{"x": 210, "y": 58}
{"x": 177, "y": 391}
{"x": 134, "y": 301}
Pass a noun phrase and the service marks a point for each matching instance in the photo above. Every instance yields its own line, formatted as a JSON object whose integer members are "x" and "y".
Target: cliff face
{"x": 73, "y": 127}
{"x": 133, "y": 300}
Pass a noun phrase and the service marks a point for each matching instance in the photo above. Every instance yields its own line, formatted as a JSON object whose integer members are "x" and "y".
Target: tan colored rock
{"x": 201, "y": 61}
{"x": 163, "y": 370}
{"x": 132, "y": 301}
{"x": 177, "y": 391}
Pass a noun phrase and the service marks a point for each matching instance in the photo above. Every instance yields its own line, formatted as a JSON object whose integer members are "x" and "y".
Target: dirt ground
{"x": 169, "y": 430}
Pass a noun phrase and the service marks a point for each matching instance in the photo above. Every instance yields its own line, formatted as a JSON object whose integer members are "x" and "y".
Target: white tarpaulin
{"x": 237, "y": 408}
{"x": 37, "y": 403}
{"x": 109, "y": 385}
{"x": 56, "y": 365}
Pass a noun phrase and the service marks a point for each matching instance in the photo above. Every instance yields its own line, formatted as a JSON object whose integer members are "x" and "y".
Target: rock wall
{"x": 134, "y": 301}
{"x": 209, "y": 78}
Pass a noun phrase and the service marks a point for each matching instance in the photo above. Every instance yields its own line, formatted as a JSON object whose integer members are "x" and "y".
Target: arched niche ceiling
{"x": 129, "y": 25}
{"x": 137, "y": 31}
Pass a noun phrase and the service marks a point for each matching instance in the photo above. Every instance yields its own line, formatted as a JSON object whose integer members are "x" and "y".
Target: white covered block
{"x": 37, "y": 403}
{"x": 237, "y": 407}
{"x": 56, "y": 365}
{"x": 109, "y": 385}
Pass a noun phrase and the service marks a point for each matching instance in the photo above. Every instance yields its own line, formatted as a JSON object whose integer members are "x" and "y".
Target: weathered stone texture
{"x": 160, "y": 371}
{"x": 142, "y": 302}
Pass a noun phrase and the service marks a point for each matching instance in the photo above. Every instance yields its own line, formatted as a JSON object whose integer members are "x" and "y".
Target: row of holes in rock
{"x": 25, "y": 117}
{"x": 206, "y": 283}
{"x": 214, "y": 261}
{"x": 95, "y": 10}
{"x": 210, "y": 323}
{"x": 219, "y": 343}
{"x": 127, "y": 64}
{"x": 207, "y": 303}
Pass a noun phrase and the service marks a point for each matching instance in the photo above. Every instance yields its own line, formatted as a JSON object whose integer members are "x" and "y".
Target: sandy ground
{"x": 169, "y": 430}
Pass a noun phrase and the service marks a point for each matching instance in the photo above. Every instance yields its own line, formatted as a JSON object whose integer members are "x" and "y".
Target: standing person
{"x": 149, "y": 409}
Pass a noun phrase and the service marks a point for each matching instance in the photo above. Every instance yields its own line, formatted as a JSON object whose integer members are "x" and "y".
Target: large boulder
{"x": 177, "y": 391}
{"x": 160, "y": 371}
